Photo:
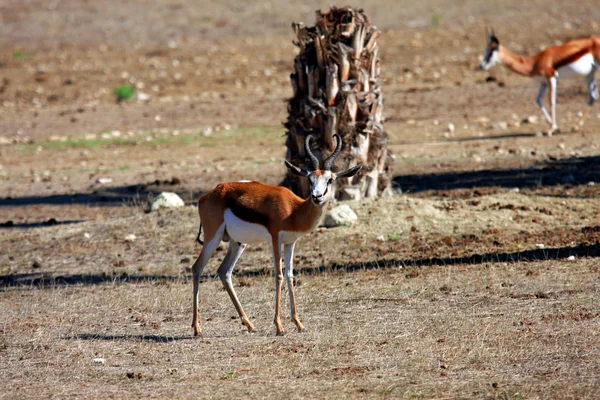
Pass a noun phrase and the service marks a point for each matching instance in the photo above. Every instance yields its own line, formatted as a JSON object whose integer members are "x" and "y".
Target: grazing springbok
{"x": 578, "y": 57}
{"x": 252, "y": 212}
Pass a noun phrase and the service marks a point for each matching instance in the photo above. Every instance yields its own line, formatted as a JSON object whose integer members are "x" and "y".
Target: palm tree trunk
{"x": 336, "y": 89}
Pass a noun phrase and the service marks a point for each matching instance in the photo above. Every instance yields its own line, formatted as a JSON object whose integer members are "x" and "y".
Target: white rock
{"x": 130, "y": 238}
{"x": 104, "y": 181}
{"x": 341, "y": 215}
{"x": 571, "y": 258}
{"x": 500, "y": 125}
{"x": 141, "y": 96}
{"x": 540, "y": 245}
{"x": 99, "y": 361}
{"x": 380, "y": 238}
{"x": 166, "y": 200}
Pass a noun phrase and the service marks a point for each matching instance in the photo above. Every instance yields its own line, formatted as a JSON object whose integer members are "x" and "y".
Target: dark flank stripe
{"x": 245, "y": 213}
{"x": 572, "y": 58}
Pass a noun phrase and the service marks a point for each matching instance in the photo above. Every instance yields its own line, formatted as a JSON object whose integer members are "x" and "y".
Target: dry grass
{"x": 515, "y": 330}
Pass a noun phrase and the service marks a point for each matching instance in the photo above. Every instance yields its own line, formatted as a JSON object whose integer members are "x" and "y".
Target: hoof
{"x": 282, "y": 333}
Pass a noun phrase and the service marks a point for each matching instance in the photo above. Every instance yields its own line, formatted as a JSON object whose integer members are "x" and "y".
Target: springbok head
{"x": 322, "y": 179}
{"x": 491, "y": 56}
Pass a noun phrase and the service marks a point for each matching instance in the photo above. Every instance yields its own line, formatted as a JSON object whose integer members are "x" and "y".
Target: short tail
{"x": 198, "y": 237}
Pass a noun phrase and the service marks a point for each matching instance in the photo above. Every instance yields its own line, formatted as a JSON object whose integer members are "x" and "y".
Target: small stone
{"x": 571, "y": 258}
{"x": 99, "y": 361}
{"x": 500, "y": 125}
{"x": 141, "y": 96}
{"x": 207, "y": 131}
{"x": 540, "y": 245}
{"x": 166, "y": 200}
{"x": 130, "y": 238}
{"x": 451, "y": 127}
{"x": 104, "y": 181}
{"x": 341, "y": 215}
{"x": 380, "y": 238}
{"x": 37, "y": 263}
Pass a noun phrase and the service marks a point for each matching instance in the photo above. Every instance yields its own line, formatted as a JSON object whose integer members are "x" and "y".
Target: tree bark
{"x": 336, "y": 89}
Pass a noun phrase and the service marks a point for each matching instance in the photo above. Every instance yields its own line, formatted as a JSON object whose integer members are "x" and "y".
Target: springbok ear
{"x": 295, "y": 170}
{"x": 493, "y": 38}
{"x": 349, "y": 172}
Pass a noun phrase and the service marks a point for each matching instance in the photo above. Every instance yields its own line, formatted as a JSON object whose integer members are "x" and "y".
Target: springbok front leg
{"x": 278, "y": 281}
{"x": 553, "y": 83}
{"x": 207, "y": 251}
{"x": 540, "y": 96}
{"x": 288, "y": 257}
{"x": 225, "y": 271}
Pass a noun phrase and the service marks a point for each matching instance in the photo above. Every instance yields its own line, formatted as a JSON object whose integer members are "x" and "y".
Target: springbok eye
{"x": 330, "y": 181}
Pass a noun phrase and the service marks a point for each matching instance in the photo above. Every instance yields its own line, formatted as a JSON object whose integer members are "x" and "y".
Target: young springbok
{"x": 578, "y": 57}
{"x": 252, "y": 212}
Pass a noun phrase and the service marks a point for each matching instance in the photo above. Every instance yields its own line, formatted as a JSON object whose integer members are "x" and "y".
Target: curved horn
{"x": 313, "y": 159}
{"x": 329, "y": 160}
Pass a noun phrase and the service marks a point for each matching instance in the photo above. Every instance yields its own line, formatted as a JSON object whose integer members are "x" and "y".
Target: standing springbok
{"x": 252, "y": 212}
{"x": 578, "y": 57}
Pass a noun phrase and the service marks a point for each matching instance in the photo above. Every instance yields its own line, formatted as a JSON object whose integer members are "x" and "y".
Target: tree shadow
{"x": 132, "y": 338}
{"x": 49, "y": 222}
{"x": 470, "y": 138}
{"x": 45, "y": 281}
{"x": 108, "y": 197}
{"x": 568, "y": 171}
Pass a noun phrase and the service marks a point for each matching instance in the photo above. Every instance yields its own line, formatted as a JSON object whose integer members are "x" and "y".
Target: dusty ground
{"x": 480, "y": 281}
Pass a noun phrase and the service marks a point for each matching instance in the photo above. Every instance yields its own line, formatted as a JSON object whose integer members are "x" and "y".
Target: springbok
{"x": 578, "y": 57}
{"x": 252, "y": 212}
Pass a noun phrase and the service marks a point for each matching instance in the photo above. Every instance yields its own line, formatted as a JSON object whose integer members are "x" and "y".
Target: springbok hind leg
{"x": 593, "y": 96}
{"x": 207, "y": 251}
{"x": 225, "y": 271}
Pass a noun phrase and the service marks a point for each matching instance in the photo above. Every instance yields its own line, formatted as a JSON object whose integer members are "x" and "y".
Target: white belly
{"x": 245, "y": 232}
{"x": 583, "y": 66}
{"x": 249, "y": 233}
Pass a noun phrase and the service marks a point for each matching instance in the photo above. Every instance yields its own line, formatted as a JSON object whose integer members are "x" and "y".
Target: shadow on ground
{"x": 132, "y": 338}
{"x": 108, "y": 197}
{"x": 44, "y": 281}
{"x": 567, "y": 171}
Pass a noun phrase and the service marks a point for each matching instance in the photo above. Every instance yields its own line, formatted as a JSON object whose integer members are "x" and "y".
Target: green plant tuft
{"x": 124, "y": 92}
